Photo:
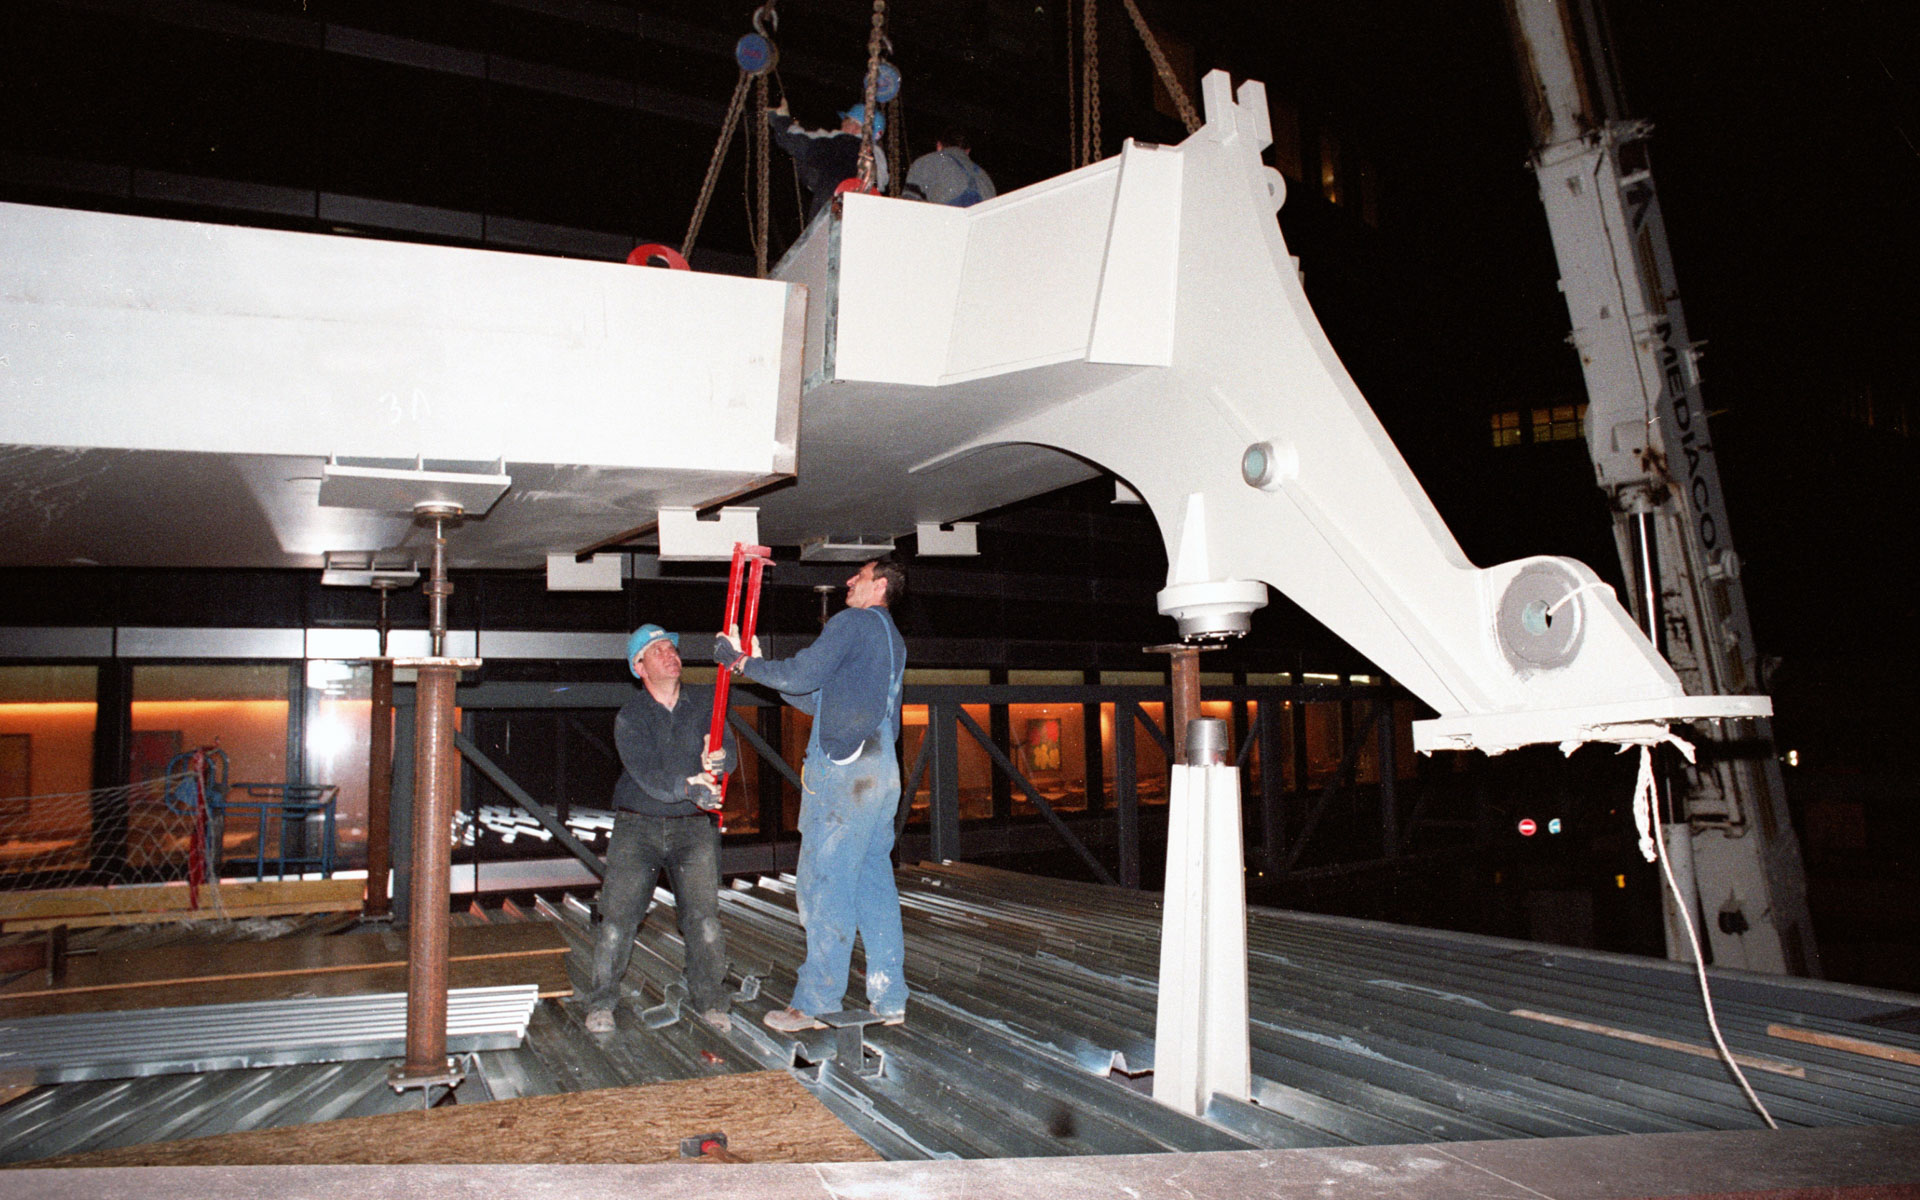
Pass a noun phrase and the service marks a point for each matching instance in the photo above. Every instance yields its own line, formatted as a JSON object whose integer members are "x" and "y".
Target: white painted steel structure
{"x": 174, "y": 394}
{"x": 1143, "y": 314}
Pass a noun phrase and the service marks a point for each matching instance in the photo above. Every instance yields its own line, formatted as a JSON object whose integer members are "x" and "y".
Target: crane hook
{"x": 766, "y": 21}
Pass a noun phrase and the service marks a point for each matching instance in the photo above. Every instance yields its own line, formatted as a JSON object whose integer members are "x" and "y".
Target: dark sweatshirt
{"x": 660, "y": 747}
{"x": 826, "y": 158}
{"x": 844, "y": 679}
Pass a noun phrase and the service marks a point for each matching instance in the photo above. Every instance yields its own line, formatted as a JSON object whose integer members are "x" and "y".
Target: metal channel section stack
{"x": 1653, "y": 455}
{"x": 220, "y": 1037}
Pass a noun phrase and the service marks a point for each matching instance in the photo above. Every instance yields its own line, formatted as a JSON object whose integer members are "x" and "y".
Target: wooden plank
{"x": 767, "y": 1117}
{"x": 172, "y": 902}
{"x": 46, "y": 954}
{"x": 227, "y": 913}
{"x": 1852, "y": 1045}
{"x": 214, "y": 961}
{"x": 549, "y": 971}
{"x": 23, "y": 956}
{"x": 1646, "y": 1039}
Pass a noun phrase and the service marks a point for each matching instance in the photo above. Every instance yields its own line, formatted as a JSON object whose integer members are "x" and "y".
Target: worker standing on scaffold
{"x": 664, "y": 805}
{"x": 849, "y": 680}
{"x": 828, "y": 157}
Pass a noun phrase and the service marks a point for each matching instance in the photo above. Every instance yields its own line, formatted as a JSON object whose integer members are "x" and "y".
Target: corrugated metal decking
{"x": 1032, "y": 1020}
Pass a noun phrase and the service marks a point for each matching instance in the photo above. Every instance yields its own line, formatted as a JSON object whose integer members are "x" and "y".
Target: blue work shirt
{"x": 849, "y": 679}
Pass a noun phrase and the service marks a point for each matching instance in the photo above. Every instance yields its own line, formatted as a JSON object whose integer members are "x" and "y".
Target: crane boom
{"x": 1647, "y": 433}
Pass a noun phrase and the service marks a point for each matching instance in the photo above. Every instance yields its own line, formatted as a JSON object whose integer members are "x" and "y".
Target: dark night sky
{"x": 1785, "y": 151}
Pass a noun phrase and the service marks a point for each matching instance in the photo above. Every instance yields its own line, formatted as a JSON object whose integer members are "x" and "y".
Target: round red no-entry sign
{"x": 1527, "y": 827}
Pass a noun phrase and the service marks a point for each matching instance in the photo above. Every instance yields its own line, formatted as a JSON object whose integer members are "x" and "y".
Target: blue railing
{"x": 294, "y": 806}
{"x": 288, "y": 810}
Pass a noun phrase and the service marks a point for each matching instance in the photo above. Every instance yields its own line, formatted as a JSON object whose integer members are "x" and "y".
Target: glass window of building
{"x": 339, "y": 732}
{"x": 47, "y": 716}
{"x": 239, "y": 709}
{"x": 976, "y": 767}
{"x": 1049, "y": 748}
{"x": 1506, "y": 429}
{"x": 1149, "y": 760}
{"x": 1558, "y": 422}
{"x": 1325, "y": 746}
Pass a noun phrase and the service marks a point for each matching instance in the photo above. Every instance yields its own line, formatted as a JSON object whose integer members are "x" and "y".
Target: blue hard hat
{"x": 644, "y": 637}
{"x": 859, "y": 110}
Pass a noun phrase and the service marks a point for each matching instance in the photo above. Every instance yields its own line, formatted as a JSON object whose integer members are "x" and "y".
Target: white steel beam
{"x": 174, "y": 393}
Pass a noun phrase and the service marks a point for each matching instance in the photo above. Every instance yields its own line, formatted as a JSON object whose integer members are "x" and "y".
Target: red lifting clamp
{"x": 749, "y": 564}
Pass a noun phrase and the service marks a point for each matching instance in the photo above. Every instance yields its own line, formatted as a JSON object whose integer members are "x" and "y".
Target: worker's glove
{"x": 704, "y": 791}
{"x": 726, "y": 650}
{"x": 779, "y": 109}
{"x": 714, "y": 762}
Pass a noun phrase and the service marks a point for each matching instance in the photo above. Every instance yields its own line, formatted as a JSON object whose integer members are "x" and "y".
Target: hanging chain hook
{"x": 766, "y": 22}
{"x": 867, "y": 169}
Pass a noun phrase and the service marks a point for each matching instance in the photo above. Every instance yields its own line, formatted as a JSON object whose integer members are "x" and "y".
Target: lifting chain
{"x": 1073, "y": 94}
{"x": 875, "y": 40}
{"x": 1168, "y": 79}
{"x": 764, "y": 18}
{"x": 761, "y": 225}
{"x": 1090, "y": 81}
{"x": 734, "y": 108}
{"x": 896, "y": 147}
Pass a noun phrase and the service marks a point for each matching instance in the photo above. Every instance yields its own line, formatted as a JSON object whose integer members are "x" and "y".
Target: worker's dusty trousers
{"x": 844, "y": 882}
{"x": 689, "y": 850}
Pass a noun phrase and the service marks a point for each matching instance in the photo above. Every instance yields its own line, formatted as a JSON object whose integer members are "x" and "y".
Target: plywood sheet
{"x": 548, "y": 971}
{"x": 220, "y": 961}
{"x": 767, "y": 1117}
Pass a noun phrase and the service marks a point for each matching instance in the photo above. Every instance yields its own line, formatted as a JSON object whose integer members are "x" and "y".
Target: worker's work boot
{"x": 720, "y": 1019}
{"x": 898, "y": 1018}
{"x": 790, "y": 1020}
{"x": 600, "y": 1020}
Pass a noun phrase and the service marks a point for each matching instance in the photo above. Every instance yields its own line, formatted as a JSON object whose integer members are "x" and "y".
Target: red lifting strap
{"x": 749, "y": 564}
{"x": 643, "y": 256}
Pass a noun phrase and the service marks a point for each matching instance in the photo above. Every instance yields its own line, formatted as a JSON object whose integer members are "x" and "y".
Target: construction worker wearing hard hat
{"x": 663, "y": 819}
